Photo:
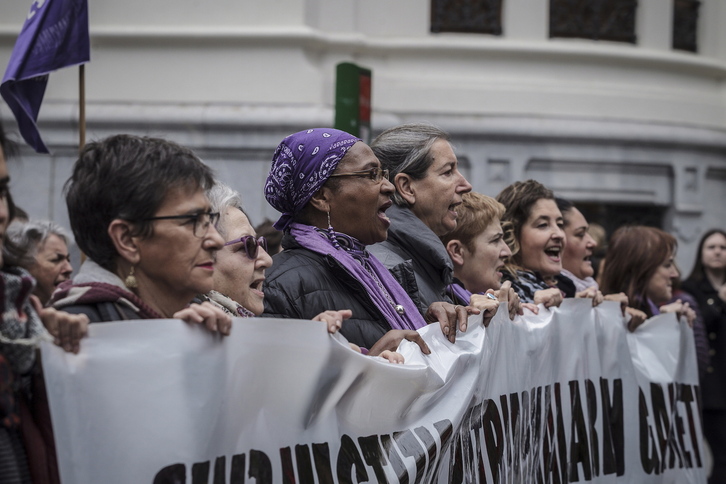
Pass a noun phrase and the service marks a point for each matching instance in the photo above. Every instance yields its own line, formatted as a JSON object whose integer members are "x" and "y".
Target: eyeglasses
{"x": 250, "y": 244}
{"x": 200, "y": 221}
{"x": 375, "y": 174}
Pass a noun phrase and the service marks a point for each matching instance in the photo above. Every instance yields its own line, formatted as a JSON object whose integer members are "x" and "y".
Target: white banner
{"x": 565, "y": 396}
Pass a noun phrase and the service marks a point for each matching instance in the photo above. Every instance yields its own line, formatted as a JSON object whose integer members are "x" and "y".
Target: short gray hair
{"x": 26, "y": 239}
{"x": 222, "y": 197}
{"x": 406, "y": 149}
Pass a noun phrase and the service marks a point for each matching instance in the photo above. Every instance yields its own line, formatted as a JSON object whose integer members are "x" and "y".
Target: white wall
{"x": 231, "y": 78}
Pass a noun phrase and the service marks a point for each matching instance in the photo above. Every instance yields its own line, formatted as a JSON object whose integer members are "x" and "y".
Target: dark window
{"x": 685, "y": 24}
{"x": 594, "y": 19}
{"x": 473, "y": 16}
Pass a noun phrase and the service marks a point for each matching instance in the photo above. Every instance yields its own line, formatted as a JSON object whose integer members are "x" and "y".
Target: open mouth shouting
{"x": 382, "y": 213}
{"x": 256, "y": 287}
{"x": 452, "y": 208}
{"x": 554, "y": 253}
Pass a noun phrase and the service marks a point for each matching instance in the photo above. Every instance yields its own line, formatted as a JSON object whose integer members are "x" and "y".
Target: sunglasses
{"x": 250, "y": 244}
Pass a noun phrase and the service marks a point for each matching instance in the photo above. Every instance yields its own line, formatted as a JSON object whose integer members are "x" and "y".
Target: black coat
{"x": 417, "y": 259}
{"x": 302, "y": 284}
{"x": 713, "y": 311}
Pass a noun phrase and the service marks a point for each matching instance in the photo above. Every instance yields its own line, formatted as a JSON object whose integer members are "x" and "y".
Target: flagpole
{"x": 81, "y": 107}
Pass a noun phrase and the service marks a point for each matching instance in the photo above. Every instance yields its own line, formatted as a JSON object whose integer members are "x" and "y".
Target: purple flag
{"x": 55, "y": 35}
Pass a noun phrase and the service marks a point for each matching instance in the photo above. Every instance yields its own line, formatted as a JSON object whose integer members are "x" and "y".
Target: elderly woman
{"x": 333, "y": 196}
{"x": 139, "y": 212}
{"x": 241, "y": 264}
{"x": 429, "y": 188}
{"x": 24, "y": 416}
{"x": 43, "y": 251}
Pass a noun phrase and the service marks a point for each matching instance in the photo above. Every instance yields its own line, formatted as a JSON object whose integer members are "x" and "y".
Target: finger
{"x": 73, "y": 334}
{"x": 471, "y": 309}
{"x": 189, "y": 316}
{"x": 416, "y": 338}
{"x": 436, "y": 313}
{"x": 35, "y": 302}
{"x": 392, "y": 357}
{"x": 209, "y": 316}
{"x": 47, "y": 316}
{"x": 462, "y": 315}
{"x": 488, "y": 316}
{"x": 505, "y": 292}
{"x": 64, "y": 333}
{"x": 513, "y": 308}
{"x": 439, "y": 314}
{"x": 82, "y": 330}
{"x": 220, "y": 319}
{"x": 84, "y": 321}
{"x": 225, "y": 324}
{"x": 532, "y": 307}
{"x": 333, "y": 323}
{"x": 452, "y": 321}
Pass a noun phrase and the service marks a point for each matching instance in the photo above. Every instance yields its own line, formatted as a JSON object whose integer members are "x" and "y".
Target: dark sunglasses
{"x": 250, "y": 244}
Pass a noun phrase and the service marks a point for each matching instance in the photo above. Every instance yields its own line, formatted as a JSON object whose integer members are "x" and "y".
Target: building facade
{"x": 619, "y": 105}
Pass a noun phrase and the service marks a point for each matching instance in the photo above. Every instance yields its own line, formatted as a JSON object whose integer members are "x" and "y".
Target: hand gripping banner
{"x": 564, "y": 396}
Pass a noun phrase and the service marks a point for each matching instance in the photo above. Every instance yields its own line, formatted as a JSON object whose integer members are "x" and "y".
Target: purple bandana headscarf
{"x": 300, "y": 166}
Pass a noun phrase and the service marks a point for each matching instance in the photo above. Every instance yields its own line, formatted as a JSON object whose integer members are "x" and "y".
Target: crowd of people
{"x": 374, "y": 241}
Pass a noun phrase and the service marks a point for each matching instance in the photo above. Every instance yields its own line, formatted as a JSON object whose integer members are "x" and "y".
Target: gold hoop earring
{"x": 130, "y": 280}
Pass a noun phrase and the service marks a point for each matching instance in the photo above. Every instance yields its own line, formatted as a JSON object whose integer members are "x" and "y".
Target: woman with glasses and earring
{"x": 139, "y": 212}
{"x": 333, "y": 196}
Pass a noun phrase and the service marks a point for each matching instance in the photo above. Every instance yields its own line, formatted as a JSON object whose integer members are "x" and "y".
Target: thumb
{"x": 504, "y": 291}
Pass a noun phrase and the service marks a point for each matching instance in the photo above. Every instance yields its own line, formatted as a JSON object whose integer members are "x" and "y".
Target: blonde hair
{"x": 475, "y": 214}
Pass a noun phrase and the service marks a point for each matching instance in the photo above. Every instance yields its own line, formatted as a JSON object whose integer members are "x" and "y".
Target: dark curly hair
{"x": 518, "y": 199}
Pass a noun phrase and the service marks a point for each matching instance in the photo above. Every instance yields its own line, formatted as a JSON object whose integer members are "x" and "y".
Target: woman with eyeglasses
{"x": 240, "y": 266}
{"x": 333, "y": 196}
{"x": 139, "y": 212}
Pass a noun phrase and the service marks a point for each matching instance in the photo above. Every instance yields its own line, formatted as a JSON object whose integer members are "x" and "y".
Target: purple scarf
{"x": 459, "y": 293}
{"x": 301, "y": 165}
{"x": 308, "y": 237}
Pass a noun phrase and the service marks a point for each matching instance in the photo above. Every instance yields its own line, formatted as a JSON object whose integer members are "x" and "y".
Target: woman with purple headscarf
{"x": 333, "y": 195}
